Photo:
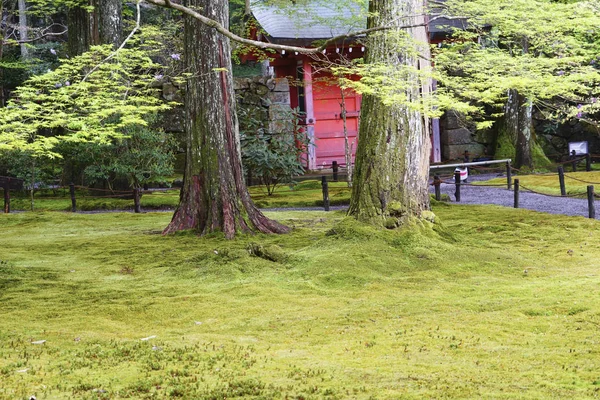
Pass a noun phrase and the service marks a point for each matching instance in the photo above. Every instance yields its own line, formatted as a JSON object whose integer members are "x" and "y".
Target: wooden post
{"x": 591, "y": 205}
{"x": 436, "y": 183}
{"x": 457, "y": 182}
{"x": 574, "y": 163}
{"x": 73, "y": 201}
{"x": 588, "y": 162}
{"x": 508, "y": 175}
{"x": 325, "y": 193}
{"x": 136, "y": 201}
{"x": 7, "y": 196}
{"x": 335, "y": 168}
{"x": 561, "y": 181}
{"x": 516, "y": 193}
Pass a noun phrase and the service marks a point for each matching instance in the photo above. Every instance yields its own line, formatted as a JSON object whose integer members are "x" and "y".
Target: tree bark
{"x": 79, "y": 37}
{"x": 23, "y": 32}
{"x": 110, "y": 26}
{"x": 392, "y": 160}
{"x": 214, "y": 196}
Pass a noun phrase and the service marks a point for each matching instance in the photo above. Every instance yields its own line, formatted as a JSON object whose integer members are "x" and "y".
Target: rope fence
{"x": 134, "y": 195}
{"x": 82, "y": 192}
{"x": 517, "y": 187}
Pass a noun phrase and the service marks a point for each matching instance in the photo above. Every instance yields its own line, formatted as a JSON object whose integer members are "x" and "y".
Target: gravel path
{"x": 503, "y": 197}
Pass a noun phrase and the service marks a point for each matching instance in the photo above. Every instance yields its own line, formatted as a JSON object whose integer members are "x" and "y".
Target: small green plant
{"x": 273, "y": 152}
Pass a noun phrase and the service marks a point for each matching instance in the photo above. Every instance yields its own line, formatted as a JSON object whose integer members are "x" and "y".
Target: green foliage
{"x": 76, "y": 103}
{"x": 542, "y": 49}
{"x": 144, "y": 156}
{"x": 273, "y": 153}
{"x": 36, "y": 172}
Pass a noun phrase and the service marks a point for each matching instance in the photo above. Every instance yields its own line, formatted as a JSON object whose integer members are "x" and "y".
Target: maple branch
{"x": 273, "y": 46}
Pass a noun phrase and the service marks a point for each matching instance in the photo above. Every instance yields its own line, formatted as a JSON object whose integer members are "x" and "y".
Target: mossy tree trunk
{"x": 214, "y": 196}
{"x": 516, "y": 137}
{"x": 392, "y": 160}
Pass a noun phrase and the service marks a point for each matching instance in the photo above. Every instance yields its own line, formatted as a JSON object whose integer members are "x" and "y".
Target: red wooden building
{"x": 313, "y": 89}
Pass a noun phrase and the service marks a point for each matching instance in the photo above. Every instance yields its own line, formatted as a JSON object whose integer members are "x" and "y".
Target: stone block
{"x": 454, "y": 152}
{"x": 455, "y": 136}
{"x": 452, "y": 120}
{"x": 241, "y": 83}
{"x": 278, "y": 85}
{"x": 280, "y": 98}
{"x": 171, "y": 93}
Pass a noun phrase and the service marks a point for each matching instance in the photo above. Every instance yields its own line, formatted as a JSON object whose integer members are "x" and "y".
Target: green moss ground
{"x": 346, "y": 311}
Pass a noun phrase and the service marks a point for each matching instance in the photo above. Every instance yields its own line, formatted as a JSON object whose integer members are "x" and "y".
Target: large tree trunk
{"x": 516, "y": 138}
{"x": 110, "y": 28}
{"x": 79, "y": 38}
{"x": 214, "y": 196}
{"x": 392, "y": 159}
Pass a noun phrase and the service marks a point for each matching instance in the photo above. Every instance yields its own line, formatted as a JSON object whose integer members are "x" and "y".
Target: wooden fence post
{"x": 325, "y": 186}
{"x": 574, "y": 163}
{"x": 335, "y": 167}
{"x": 7, "y": 196}
{"x": 136, "y": 201}
{"x": 436, "y": 183}
{"x": 588, "y": 162}
{"x": 591, "y": 205}
{"x": 561, "y": 181}
{"x": 508, "y": 175}
{"x": 516, "y": 193}
{"x": 73, "y": 201}
{"x": 457, "y": 183}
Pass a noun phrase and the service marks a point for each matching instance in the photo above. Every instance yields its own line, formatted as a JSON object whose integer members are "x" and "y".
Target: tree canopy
{"x": 545, "y": 50}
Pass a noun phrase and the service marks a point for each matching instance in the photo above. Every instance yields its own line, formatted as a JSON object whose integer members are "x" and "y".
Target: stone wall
{"x": 269, "y": 97}
{"x": 555, "y": 137}
{"x": 457, "y": 136}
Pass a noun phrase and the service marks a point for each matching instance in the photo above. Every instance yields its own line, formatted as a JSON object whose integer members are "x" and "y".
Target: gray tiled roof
{"x": 317, "y": 20}
{"x": 322, "y": 19}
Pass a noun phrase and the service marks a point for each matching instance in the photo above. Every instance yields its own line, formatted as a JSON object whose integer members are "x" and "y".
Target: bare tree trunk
{"x": 347, "y": 148}
{"x": 23, "y": 33}
{"x": 79, "y": 38}
{"x": 392, "y": 159}
{"x": 2, "y": 36}
{"x": 110, "y": 25}
{"x": 214, "y": 196}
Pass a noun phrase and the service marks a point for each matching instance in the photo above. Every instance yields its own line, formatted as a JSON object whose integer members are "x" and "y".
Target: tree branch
{"x": 273, "y": 46}
{"x": 43, "y": 35}
{"x": 7, "y": 42}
